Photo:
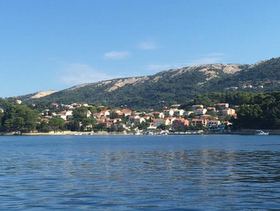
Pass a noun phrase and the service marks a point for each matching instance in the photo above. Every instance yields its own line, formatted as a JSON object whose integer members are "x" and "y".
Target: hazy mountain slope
{"x": 262, "y": 76}
{"x": 173, "y": 86}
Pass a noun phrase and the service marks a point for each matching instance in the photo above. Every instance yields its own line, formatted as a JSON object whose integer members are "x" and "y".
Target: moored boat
{"x": 261, "y": 133}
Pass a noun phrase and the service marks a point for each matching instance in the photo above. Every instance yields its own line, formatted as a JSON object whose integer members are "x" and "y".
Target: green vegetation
{"x": 262, "y": 112}
{"x": 17, "y": 118}
{"x": 176, "y": 86}
{"x": 254, "y": 110}
{"x": 56, "y": 124}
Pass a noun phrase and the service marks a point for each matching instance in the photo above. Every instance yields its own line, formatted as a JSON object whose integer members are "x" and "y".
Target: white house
{"x": 161, "y": 115}
{"x": 88, "y": 114}
{"x": 66, "y": 114}
{"x": 195, "y": 107}
{"x": 222, "y": 106}
{"x": 200, "y": 111}
{"x": 179, "y": 112}
{"x": 18, "y": 102}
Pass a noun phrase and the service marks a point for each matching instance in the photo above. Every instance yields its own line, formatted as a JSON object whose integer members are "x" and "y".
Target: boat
{"x": 261, "y": 133}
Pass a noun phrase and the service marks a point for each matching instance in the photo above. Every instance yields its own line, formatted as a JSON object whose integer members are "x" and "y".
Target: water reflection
{"x": 88, "y": 175}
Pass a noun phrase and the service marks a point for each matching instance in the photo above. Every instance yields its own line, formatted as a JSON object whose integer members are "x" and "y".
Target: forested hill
{"x": 173, "y": 86}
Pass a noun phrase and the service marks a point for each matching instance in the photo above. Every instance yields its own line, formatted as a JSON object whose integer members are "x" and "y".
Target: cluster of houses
{"x": 168, "y": 120}
{"x": 250, "y": 86}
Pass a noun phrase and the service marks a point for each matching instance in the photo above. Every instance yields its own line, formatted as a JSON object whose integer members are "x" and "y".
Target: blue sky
{"x": 54, "y": 44}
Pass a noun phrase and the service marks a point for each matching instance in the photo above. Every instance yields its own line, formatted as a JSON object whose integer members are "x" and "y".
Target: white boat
{"x": 261, "y": 133}
{"x": 138, "y": 133}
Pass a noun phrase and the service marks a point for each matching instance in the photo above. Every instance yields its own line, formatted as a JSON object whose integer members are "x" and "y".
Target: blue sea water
{"x": 140, "y": 173}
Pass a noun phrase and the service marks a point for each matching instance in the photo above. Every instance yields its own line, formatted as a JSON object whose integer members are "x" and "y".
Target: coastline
{"x": 104, "y": 133}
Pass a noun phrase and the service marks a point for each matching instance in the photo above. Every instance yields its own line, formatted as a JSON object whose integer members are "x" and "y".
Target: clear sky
{"x": 54, "y": 44}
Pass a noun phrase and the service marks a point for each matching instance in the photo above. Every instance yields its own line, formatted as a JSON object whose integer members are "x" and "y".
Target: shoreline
{"x": 104, "y": 133}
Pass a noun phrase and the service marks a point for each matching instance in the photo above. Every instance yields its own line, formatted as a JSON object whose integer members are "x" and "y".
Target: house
{"x": 140, "y": 119}
{"x": 101, "y": 120}
{"x": 180, "y": 124}
{"x": 213, "y": 123}
{"x": 117, "y": 120}
{"x": 54, "y": 114}
{"x": 200, "y": 111}
{"x": 54, "y": 105}
{"x": 228, "y": 112}
{"x": 168, "y": 120}
{"x": 119, "y": 112}
{"x": 152, "y": 127}
{"x": 206, "y": 117}
{"x": 247, "y": 86}
{"x": 158, "y": 122}
{"x": 161, "y": 115}
{"x": 188, "y": 113}
{"x": 104, "y": 113}
{"x": 18, "y": 102}
{"x": 147, "y": 117}
{"x": 232, "y": 88}
{"x": 195, "y": 107}
{"x": 68, "y": 107}
{"x": 166, "y": 112}
{"x": 126, "y": 112}
{"x": 46, "y": 112}
{"x": 158, "y": 115}
{"x": 199, "y": 122}
{"x": 170, "y": 112}
{"x": 155, "y": 114}
{"x": 88, "y": 114}
{"x": 62, "y": 116}
{"x": 65, "y": 114}
{"x": 176, "y": 106}
{"x": 222, "y": 106}
{"x": 136, "y": 119}
{"x": 179, "y": 112}
{"x": 174, "y": 112}
{"x": 211, "y": 109}
{"x": 185, "y": 122}
{"x": 109, "y": 122}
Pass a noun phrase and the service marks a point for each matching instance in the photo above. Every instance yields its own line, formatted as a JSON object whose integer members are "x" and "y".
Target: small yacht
{"x": 261, "y": 133}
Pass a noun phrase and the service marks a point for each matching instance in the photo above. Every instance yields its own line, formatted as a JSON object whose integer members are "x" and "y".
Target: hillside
{"x": 173, "y": 86}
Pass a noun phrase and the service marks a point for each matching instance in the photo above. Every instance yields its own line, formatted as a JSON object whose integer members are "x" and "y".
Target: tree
{"x": 100, "y": 127}
{"x": 79, "y": 114}
{"x": 56, "y": 123}
{"x": 79, "y": 119}
{"x": 178, "y": 126}
{"x": 113, "y": 115}
{"x": 143, "y": 125}
{"x": 163, "y": 127}
{"x": 1, "y": 117}
{"x": 43, "y": 127}
{"x": 94, "y": 109}
{"x": 88, "y": 122}
{"x": 73, "y": 125}
{"x": 249, "y": 116}
{"x": 19, "y": 118}
{"x": 116, "y": 128}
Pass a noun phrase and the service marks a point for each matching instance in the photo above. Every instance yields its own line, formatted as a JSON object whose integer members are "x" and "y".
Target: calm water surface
{"x": 140, "y": 173}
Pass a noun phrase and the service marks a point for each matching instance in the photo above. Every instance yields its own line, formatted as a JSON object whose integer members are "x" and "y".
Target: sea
{"x": 202, "y": 172}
